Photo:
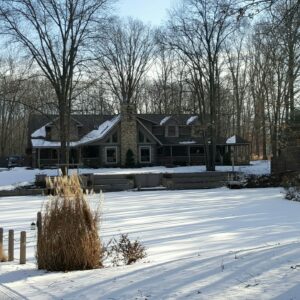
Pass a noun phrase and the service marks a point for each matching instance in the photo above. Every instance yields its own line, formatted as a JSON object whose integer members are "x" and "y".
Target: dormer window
{"x": 171, "y": 131}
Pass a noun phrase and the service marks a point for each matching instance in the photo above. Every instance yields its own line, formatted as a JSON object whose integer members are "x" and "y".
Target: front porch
{"x": 90, "y": 156}
{"x": 188, "y": 155}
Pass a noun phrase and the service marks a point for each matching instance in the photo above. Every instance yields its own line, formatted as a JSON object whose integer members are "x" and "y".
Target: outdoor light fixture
{"x": 32, "y": 226}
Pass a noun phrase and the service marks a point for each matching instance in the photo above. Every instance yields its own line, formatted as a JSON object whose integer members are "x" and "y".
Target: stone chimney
{"x": 128, "y": 131}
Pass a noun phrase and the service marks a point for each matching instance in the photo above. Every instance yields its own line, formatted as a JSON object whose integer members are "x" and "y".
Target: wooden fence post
{"x": 39, "y": 226}
{"x": 1, "y": 242}
{"x": 23, "y": 248}
{"x": 11, "y": 245}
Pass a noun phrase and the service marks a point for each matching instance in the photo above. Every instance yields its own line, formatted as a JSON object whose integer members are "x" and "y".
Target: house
{"x": 103, "y": 141}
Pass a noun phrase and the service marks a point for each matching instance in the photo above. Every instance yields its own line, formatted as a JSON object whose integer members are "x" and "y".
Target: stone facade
{"x": 128, "y": 139}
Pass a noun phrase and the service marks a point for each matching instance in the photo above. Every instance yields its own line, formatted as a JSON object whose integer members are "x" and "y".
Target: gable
{"x": 144, "y": 136}
{"x": 53, "y": 133}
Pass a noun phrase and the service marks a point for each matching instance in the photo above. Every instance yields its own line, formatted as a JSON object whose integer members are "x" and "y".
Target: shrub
{"x": 129, "y": 163}
{"x": 291, "y": 185}
{"x": 263, "y": 181}
{"x": 124, "y": 251}
{"x": 68, "y": 236}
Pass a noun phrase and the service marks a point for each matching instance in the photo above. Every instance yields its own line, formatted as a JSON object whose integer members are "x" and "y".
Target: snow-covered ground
{"x": 201, "y": 244}
{"x": 10, "y": 179}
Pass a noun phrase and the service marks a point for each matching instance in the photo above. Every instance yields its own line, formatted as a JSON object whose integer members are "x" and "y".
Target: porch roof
{"x": 181, "y": 141}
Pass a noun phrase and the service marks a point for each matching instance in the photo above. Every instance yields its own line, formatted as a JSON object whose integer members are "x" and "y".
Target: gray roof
{"x": 90, "y": 122}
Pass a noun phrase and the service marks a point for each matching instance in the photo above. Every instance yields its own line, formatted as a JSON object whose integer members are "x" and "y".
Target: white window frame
{"x": 105, "y": 151}
{"x": 140, "y": 154}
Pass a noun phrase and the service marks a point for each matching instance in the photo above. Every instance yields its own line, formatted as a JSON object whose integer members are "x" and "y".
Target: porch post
{"x": 33, "y": 159}
{"x": 171, "y": 151}
{"x": 79, "y": 156}
{"x": 39, "y": 157}
{"x": 189, "y": 154}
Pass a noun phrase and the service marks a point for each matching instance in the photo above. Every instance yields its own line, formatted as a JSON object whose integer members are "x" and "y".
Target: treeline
{"x": 236, "y": 66}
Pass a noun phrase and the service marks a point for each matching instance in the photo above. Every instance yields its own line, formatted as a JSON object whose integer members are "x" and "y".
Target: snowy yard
{"x": 10, "y": 179}
{"x": 201, "y": 244}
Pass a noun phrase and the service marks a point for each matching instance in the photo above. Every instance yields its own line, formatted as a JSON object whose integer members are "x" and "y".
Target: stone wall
{"x": 128, "y": 132}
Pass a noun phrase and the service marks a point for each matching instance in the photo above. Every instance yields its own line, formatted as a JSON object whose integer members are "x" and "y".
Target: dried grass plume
{"x": 68, "y": 236}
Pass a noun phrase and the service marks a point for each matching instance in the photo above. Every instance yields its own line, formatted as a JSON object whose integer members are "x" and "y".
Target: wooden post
{"x": 1, "y": 241}
{"x": 11, "y": 245}
{"x": 39, "y": 226}
{"x": 23, "y": 248}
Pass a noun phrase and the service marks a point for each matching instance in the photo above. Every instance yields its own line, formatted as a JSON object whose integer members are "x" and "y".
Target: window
{"x": 111, "y": 155}
{"x": 145, "y": 154}
{"x": 172, "y": 131}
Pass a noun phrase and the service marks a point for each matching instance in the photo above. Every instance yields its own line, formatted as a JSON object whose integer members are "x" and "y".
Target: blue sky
{"x": 149, "y": 11}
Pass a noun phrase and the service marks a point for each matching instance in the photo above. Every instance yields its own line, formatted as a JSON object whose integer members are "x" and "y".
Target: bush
{"x": 124, "y": 251}
{"x": 263, "y": 181}
{"x": 68, "y": 236}
{"x": 291, "y": 185}
{"x": 129, "y": 163}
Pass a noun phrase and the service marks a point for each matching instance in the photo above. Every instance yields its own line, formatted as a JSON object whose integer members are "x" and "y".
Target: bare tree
{"x": 197, "y": 30}
{"x": 237, "y": 61}
{"x": 12, "y": 113}
{"x": 54, "y": 33}
{"x": 124, "y": 52}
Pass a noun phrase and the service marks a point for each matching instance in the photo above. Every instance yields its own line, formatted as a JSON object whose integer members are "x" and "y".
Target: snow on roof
{"x": 231, "y": 140}
{"x": 99, "y": 133}
{"x": 41, "y": 143}
{"x": 187, "y": 142}
{"x": 164, "y": 120}
{"x": 191, "y": 120}
{"x": 94, "y": 135}
{"x": 41, "y": 132}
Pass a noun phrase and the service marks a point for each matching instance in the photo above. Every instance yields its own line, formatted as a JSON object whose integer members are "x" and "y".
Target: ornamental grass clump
{"x": 68, "y": 236}
{"x": 3, "y": 257}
